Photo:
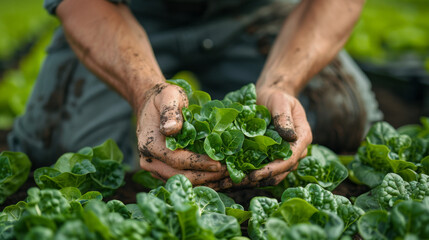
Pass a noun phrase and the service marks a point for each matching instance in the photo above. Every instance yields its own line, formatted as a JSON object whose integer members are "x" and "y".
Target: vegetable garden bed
{"x": 127, "y": 194}
{"x": 381, "y": 192}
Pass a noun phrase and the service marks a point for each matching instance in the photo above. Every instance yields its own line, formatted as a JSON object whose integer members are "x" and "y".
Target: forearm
{"x": 111, "y": 43}
{"x": 310, "y": 38}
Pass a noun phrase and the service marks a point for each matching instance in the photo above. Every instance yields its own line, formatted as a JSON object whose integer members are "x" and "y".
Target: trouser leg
{"x": 69, "y": 109}
{"x": 340, "y": 105}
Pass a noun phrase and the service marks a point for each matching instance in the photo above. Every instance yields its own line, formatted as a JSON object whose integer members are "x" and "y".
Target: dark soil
{"x": 127, "y": 193}
{"x": 350, "y": 190}
{"x": 398, "y": 111}
{"x": 3, "y": 140}
{"x": 21, "y": 194}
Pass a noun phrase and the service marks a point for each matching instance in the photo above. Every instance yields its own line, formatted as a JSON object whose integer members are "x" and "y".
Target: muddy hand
{"x": 291, "y": 123}
{"x": 161, "y": 116}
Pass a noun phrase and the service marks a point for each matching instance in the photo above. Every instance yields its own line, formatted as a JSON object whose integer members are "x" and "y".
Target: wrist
{"x": 278, "y": 82}
{"x": 139, "y": 72}
{"x": 139, "y": 92}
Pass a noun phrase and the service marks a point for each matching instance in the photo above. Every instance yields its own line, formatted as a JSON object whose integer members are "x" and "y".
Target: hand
{"x": 161, "y": 116}
{"x": 291, "y": 123}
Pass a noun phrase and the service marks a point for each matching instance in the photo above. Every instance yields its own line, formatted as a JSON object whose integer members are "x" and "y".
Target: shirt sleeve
{"x": 51, "y": 5}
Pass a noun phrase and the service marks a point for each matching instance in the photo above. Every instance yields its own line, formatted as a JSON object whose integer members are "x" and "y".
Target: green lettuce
{"x": 14, "y": 170}
{"x": 178, "y": 209}
{"x": 98, "y": 168}
{"x": 234, "y": 131}
{"x": 174, "y": 211}
{"x": 320, "y": 166}
{"x": 406, "y": 220}
{"x": 386, "y": 150}
{"x": 323, "y": 214}
{"x": 394, "y": 189}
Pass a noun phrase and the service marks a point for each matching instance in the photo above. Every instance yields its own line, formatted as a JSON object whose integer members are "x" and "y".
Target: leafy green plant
{"x": 187, "y": 213}
{"x": 235, "y": 131}
{"x": 14, "y": 170}
{"x": 323, "y": 167}
{"x": 406, "y": 220}
{"x": 27, "y": 30}
{"x": 66, "y": 214}
{"x": 386, "y": 150}
{"x": 392, "y": 190}
{"x": 98, "y": 168}
{"x": 320, "y": 166}
{"x": 380, "y": 41}
{"x": 326, "y": 215}
{"x": 416, "y": 130}
{"x": 176, "y": 211}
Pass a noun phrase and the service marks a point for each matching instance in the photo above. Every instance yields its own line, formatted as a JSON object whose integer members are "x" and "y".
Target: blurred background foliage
{"x": 390, "y": 41}
{"x": 25, "y": 29}
{"x": 390, "y": 30}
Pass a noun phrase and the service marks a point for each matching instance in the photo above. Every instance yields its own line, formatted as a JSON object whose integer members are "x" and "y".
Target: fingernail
{"x": 288, "y": 134}
{"x": 170, "y": 124}
{"x": 254, "y": 177}
{"x": 213, "y": 168}
{"x": 258, "y": 178}
{"x": 291, "y": 135}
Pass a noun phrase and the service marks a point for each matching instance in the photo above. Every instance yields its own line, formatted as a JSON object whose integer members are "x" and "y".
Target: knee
{"x": 339, "y": 111}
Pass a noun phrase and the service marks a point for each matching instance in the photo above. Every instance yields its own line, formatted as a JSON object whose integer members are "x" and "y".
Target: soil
{"x": 3, "y": 140}
{"x": 21, "y": 194}
{"x": 398, "y": 111}
{"x": 350, "y": 189}
{"x": 127, "y": 193}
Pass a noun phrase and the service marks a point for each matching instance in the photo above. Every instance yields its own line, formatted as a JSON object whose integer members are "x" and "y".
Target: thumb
{"x": 170, "y": 103}
{"x": 283, "y": 119}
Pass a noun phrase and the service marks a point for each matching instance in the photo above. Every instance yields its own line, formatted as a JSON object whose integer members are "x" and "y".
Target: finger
{"x": 304, "y": 153}
{"x": 284, "y": 126}
{"x": 295, "y": 167}
{"x": 246, "y": 183}
{"x": 152, "y": 145}
{"x": 274, "y": 168}
{"x": 301, "y": 125}
{"x": 299, "y": 148}
{"x": 282, "y": 116}
{"x": 157, "y": 176}
{"x": 170, "y": 104}
{"x": 270, "y": 181}
{"x": 220, "y": 185}
{"x": 164, "y": 172}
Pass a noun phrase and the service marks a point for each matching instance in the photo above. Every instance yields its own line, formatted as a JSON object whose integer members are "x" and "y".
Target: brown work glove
{"x": 291, "y": 123}
{"x": 161, "y": 116}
